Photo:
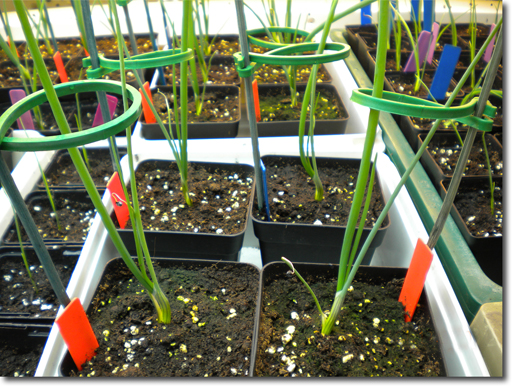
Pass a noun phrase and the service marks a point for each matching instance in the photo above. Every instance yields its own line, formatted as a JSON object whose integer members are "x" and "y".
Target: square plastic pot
{"x": 291, "y": 128}
{"x": 300, "y": 242}
{"x": 177, "y": 244}
{"x": 197, "y": 130}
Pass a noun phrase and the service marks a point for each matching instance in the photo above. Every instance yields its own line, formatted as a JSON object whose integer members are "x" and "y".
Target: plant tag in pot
{"x": 415, "y": 278}
{"x": 118, "y": 200}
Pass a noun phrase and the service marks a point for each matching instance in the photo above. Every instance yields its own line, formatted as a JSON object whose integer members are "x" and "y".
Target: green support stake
{"x": 31, "y": 229}
{"x": 467, "y": 146}
{"x": 250, "y": 102}
{"x": 102, "y": 98}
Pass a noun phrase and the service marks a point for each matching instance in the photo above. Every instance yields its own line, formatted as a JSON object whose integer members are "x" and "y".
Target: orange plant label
{"x": 117, "y": 196}
{"x": 148, "y": 114}
{"x": 256, "y": 98}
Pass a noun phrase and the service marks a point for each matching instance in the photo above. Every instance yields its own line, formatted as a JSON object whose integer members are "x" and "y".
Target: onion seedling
{"x": 348, "y": 268}
{"x": 159, "y": 300}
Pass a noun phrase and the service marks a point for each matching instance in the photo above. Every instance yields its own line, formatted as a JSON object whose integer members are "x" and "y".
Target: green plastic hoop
{"x": 280, "y": 56}
{"x": 407, "y": 105}
{"x": 273, "y": 45}
{"x": 136, "y": 62}
{"x": 65, "y": 141}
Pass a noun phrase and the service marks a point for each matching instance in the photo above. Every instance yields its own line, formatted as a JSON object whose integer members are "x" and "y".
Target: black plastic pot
{"x": 291, "y": 128}
{"x": 486, "y": 249}
{"x": 433, "y": 168}
{"x": 308, "y": 242}
{"x": 391, "y": 78}
{"x": 196, "y": 130}
{"x": 201, "y": 245}
{"x": 217, "y": 63}
{"x": 33, "y": 309}
{"x": 79, "y": 202}
{"x": 62, "y": 164}
{"x": 327, "y": 272}
{"x": 4, "y": 91}
{"x": 405, "y": 55}
{"x": 22, "y": 344}
{"x": 181, "y": 265}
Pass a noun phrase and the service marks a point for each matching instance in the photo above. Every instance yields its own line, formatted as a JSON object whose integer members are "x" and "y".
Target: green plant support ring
{"x": 273, "y": 45}
{"x": 280, "y": 56}
{"x": 407, "y": 105}
{"x": 71, "y": 140}
{"x": 142, "y": 61}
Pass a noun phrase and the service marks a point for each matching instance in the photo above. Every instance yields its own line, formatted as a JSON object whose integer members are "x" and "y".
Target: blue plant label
{"x": 415, "y": 10}
{"x": 443, "y": 74}
{"x": 366, "y": 14}
{"x": 429, "y": 7}
{"x": 264, "y": 188}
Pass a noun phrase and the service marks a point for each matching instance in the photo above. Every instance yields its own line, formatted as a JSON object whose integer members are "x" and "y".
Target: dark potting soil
{"x": 276, "y": 105}
{"x": 220, "y": 198}
{"x": 63, "y": 172}
{"x": 17, "y": 294}
{"x": 291, "y": 194}
{"x": 405, "y": 84}
{"x": 446, "y": 155}
{"x": 276, "y": 74}
{"x": 218, "y": 74}
{"x": 211, "y": 330}
{"x": 20, "y": 359}
{"x": 227, "y": 45}
{"x": 68, "y": 48}
{"x": 473, "y": 204}
{"x": 10, "y": 76}
{"x": 76, "y": 71}
{"x": 217, "y": 107}
{"x": 75, "y": 212}
{"x": 370, "y": 337}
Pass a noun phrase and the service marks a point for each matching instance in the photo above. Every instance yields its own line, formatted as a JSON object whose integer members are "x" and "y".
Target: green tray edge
{"x": 471, "y": 286}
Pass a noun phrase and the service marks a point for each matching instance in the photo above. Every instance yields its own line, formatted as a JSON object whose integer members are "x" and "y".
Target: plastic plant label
{"x": 256, "y": 99}
{"x": 77, "y": 333}
{"x": 444, "y": 72}
{"x": 415, "y": 279}
{"x": 432, "y": 46}
{"x": 98, "y": 117}
{"x": 117, "y": 196}
{"x": 10, "y": 45}
{"x": 488, "y": 52}
{"x": 422, "y": 47}
{"x": 264, "y": 188}
{"x": 415, "y": 9}
{"x": 366, "y": 15}
{"x": 429, "y": 7}
{"x": 148, "y": 114}
{"x": 25, "y": 121}
{"x": 60, "y": 67}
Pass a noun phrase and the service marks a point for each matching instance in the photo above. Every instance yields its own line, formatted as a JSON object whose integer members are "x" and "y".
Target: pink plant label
{"x": 98, "y": 118}
{"x": 25, "y": 121}
{"x": 422, "y": 46}
{"x": 488, "y": 53}
{"x": 432, "y": 46}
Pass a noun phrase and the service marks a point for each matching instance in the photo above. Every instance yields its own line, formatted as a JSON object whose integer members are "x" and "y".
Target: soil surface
{"x": 219, "y": 105}
{"x": 266, "y": 74}
{"x": 291, "y": 193}
{"x": 369, "y": 339}
{"x": 17, "y": 294}
{"x": 76, "y": 71}
{"x": 218, "y": 74}
{"x": 405, "y": 84}
{"x": 276, "y": 105}
{"x": 62, "y": 171}
{"x": 473, "y": 204}
{"x": 19, "y": 352}
{"x": 10, "y": 76}
{"x": 220, "y": 196}
{"x": 446, "y": 153}
{"x": 211, "y": 330}
{"x": 225, "y": 45}
{"x": 75, "y": 212}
